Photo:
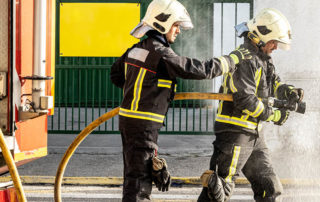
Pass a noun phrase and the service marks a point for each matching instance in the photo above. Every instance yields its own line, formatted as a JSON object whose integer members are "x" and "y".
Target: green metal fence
{"x": 83, "y": 90}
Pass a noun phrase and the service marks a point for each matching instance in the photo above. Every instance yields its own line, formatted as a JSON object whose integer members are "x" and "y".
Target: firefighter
{"x": 147, "y": 73}
{"x": 238, "y": 145}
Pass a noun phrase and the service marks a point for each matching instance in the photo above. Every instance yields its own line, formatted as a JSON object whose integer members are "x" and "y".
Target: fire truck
{"x": 26, "y": 80}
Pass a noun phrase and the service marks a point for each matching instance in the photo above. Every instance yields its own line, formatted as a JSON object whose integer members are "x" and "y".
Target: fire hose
{"x": 86, "y": 131}
{"x": 12, "y": 169}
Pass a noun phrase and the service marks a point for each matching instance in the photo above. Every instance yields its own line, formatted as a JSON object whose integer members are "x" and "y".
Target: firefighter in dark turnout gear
{"x": 238, "y": 145}
{"x": 147, "y": 73}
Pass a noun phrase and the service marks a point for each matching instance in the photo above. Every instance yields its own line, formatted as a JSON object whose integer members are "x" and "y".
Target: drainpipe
{"x": 39, "y": 55}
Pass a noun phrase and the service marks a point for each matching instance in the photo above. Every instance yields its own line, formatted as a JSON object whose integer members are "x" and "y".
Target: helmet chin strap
{"x": 255, "y": 39}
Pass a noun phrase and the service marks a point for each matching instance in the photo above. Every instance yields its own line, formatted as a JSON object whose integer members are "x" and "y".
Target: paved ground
{"x": 100, "y": 155}
{"x": 187, "y": 156}
{"x": 184, "y": 194}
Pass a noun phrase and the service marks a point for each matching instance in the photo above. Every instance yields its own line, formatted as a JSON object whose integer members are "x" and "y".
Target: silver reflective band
{"x": 236, "y": 121}
{"x": 138, "y": 54}
{"x": 224, "y": 65}
{"x": 164, "y": 83}
{"x": 142, "y": 115}
{"x": 137, "y": 89}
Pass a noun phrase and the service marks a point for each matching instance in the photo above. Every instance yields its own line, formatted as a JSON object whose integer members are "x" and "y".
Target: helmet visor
{"x": 284, "y": 46}
{"x": 140, "y": 30}
{"x": 186, "y": 25}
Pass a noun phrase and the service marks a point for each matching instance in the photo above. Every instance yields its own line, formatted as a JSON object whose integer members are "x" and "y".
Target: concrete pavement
{"x": 187, "y": 156}
{"x": 98, "y": 162}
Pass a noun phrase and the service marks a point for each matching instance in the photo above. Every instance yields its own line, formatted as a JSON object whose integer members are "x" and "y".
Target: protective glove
{"x": 290, "y": 93}
{"x": 267, "y": 112}
{"x": 295, "y": 94}
{"x": 218, "y": 189}
{"x": 160, "y": 175}
{"x": 279, "y": 116}
{"x": 240, "y": 54}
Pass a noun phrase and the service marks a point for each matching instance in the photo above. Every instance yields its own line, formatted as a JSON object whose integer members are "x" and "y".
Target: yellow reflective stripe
{"x": 236, "y": 121}
{"x": 259, "y": 109}
{"x": 137, "y": 89}
{"x": 245, "y": 117}
{"x": 125, "y": 71}
{"x": 277, "y": 84}
{"x": 224, "y": 65}
{"x": 165, "y": 81}
{"x": 175, "y": 88}
{"x": 225, "y": 90}
{"x": 234, "y": 162}
{"x": 264, "y": 194}
{"x": 232, "y": 87}
{"x": 164, "y": 86}
{"x": 142, "y": 115}
{"x": 257, "y": 78}
{"x": 140, "y": 87}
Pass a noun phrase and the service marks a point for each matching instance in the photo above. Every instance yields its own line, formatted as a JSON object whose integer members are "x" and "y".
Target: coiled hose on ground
{"x": 85, "y": 132}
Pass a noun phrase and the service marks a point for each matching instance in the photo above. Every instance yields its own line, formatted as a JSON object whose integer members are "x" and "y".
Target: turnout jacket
{"x": 252, "y": 81}
{"x": 147, "y": 73}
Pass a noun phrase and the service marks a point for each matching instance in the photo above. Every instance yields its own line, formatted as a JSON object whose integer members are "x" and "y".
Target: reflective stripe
{"x": 257, "y": 112}
{"x": 234, "y": 162}
{"x": 225, "y": 90}
{"x": 142, "y": 115}
{"x": 232, "y": 87}
{"x": 138, "y": 54}
{"x": 175, "y": 88}
{"x": 224, "y": 65}
{"x": 137, "y": 89}
{"x": 245, "y": 117}
{"x": 236, "y": 121}
{"x": 257, "y": 78}
{"x": 125, "y": 70}
{"x": 164, "y": 83}
{"x": 277, "y": 84}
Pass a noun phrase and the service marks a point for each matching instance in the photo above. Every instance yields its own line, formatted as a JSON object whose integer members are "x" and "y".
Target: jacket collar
{"x": 158, "y": 36}
{"x": 255, "y": 50}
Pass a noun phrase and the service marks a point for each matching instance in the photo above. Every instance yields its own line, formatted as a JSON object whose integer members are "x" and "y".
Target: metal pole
{"x": 39, "y": 54}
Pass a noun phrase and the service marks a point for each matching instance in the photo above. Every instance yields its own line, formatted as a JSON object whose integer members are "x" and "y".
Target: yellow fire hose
{"x": 86, "y": 131}
{"x": 12, "y": 168}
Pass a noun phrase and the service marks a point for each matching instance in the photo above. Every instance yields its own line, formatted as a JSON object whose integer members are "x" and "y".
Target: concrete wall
{"x": 300, "y": 67}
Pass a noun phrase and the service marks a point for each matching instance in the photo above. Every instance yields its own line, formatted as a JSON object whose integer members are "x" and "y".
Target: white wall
{"x": 301, "y": 67}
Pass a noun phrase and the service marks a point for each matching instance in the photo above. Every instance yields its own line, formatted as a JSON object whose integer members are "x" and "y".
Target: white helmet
{"x": 161, "y": 15}
{"x": 271, "y": 24}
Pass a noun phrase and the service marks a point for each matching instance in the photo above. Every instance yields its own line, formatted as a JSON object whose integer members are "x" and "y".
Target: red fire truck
{"x": 26, "y": 80}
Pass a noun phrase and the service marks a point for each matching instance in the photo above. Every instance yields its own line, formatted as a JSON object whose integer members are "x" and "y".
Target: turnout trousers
{"x": 138, "y": 149}
{"x": 235, "y": 152}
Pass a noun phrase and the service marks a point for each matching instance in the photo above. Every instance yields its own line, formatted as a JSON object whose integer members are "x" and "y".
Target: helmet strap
{"x": 255, "y": 39}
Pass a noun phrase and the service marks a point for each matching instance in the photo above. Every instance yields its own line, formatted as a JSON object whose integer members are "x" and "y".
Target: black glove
{"x": 160, "y": 175}
{"x": 295, "y": 94}
{"x": 218, "y": 189}
{"x": 280, "y": 116}
{"x": 240, "y": 54}
{"x": 290, "y": 93}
